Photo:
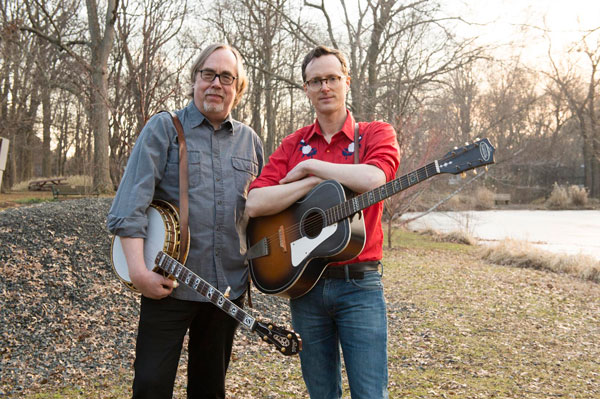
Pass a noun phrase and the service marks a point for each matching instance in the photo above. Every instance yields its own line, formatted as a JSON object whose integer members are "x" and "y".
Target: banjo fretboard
{"x": 195, "y": 282}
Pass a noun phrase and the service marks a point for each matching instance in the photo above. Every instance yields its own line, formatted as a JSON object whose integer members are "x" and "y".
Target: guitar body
{"x": 299, "y": 243}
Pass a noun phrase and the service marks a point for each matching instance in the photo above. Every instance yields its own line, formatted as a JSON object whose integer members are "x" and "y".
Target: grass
{"x": 459, "y": 327}
{"x": 20, "y": 195}
{"x": 77, "y": 180}
{"x": 521, "y": 254}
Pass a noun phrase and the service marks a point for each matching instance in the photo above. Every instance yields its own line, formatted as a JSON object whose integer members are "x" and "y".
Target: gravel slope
{"x": 64, "y": 317}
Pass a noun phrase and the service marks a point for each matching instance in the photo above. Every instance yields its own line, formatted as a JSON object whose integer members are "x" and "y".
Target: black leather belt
{"x": 356, "y": 271}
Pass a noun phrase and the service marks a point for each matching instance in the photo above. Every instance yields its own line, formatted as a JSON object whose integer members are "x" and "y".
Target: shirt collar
{"x": 347, "y": 128}
{"x": 197, "y": 118}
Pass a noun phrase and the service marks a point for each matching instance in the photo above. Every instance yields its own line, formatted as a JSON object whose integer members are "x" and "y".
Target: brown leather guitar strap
{"x": 183, "y": 188}
{"x": 356, "y": 143}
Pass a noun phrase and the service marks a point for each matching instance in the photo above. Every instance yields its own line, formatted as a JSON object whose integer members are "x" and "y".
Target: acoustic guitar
{"x": 289, "y": 251}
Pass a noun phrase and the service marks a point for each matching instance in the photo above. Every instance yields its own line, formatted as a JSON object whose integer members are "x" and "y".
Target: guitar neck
{"x": 365, "y": 200}
{"x": 195, "y": 282}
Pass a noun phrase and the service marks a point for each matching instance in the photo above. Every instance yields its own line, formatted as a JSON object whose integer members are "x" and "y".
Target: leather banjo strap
{"x": 356, "y": 143}
{"x": 183, "y": 188}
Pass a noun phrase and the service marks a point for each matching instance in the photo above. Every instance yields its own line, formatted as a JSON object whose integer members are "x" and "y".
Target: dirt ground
{"x": 17, "y": 198}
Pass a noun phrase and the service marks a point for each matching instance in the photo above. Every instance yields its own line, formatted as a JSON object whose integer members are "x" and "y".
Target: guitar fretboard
{"x": 195, "y": 282}
{"x": 364, "y": 200}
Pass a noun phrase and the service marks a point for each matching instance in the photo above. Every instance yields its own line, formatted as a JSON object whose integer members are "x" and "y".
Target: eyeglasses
{"x": 208, "y": 76}
{"x": 332, "y": 82}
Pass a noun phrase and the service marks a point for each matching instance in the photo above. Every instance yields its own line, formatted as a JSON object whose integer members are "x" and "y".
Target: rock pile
{"x": 64, "y": 316}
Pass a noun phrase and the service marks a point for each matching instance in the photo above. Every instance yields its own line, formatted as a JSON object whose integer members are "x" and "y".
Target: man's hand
{"x": 302, "y": 170}
{"x": 357, "y": 177}
{"x": 152, "y": 285}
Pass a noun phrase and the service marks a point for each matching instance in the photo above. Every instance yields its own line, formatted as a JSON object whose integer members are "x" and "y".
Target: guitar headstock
{"x": 471, "y": 156}
{"x": 286, "y": 342}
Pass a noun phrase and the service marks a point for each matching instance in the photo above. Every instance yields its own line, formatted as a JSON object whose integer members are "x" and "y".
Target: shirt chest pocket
{"x": 244, "y": 170}
{"x": 194, "y": 166}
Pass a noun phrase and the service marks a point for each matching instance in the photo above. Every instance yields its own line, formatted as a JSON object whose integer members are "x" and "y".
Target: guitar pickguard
{"x": 304, "y": 246}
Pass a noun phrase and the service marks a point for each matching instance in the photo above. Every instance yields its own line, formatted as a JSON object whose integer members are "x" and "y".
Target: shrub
{"x": 578, "y": 195}
{"x": 559, "y": 198}
{"x": 455, "y": 203}
{"x": 523, "y": 254}
{"x": 484, "y": 198}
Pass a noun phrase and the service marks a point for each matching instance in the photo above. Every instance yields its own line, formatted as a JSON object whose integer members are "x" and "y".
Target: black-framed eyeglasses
{"x": 209, "y": 75}
{"x": 316, "y": 83}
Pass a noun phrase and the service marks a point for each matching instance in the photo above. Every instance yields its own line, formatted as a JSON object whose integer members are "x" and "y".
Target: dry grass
{"x": 563, "y": 197}
{"x": 469, "y": 329}
{"x": 20, "y": 195}
{"x": 484, "y": 199}
{"x": 524, "y": 255}
{"x": 458, "y": 236}
{"x": 578, "y": 195}
{"x": 79, "y": 180}
{"x": 459, "y": 327}
{"x": 559, "y": 198}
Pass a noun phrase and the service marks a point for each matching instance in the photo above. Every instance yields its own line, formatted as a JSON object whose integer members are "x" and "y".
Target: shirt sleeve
{"x": 381, "y": 148}
{"x": 277, "y": 167}
{"x": 145, "y": 168}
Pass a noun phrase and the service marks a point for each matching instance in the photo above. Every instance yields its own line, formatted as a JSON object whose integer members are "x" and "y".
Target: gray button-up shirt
{"x": 221, "y": 164}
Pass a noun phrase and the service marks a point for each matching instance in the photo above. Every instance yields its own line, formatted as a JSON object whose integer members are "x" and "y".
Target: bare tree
{"x": 581, "y": 96}
{"x": 145, "y": 71}
{"x": 259, "y": 29}
{"x": 20, "y": 93}
{"x": 93, "y": 58}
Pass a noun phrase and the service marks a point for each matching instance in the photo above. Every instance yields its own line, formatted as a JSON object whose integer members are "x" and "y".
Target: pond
{"x": 566, "y": 232}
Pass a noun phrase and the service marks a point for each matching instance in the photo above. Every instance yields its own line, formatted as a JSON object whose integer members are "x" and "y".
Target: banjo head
{"x": 162, "y": 235}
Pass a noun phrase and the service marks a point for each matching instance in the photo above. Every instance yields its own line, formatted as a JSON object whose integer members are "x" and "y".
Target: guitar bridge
{"x": 282, "y": 241}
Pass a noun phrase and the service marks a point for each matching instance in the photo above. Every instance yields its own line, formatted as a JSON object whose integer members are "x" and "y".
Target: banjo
{"x": 162, "y": 248}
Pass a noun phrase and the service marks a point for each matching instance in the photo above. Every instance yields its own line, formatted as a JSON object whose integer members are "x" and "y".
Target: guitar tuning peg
{"x": 474, "y": 171}
{"x": 463, "y": 175}
{"x": 282, "y": 350}
{"x": 466, "y": 143}
{"x": 270, "y": 326}
{"x": 265, "y": 338}
{"x": 226, "y": 294}
{"x": 289, "y": 336}
{"x": 486, "y": 168}
{"x": 455, "y": 148}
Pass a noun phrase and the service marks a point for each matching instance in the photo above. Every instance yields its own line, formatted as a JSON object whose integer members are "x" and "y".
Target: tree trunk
{"x": 99, "y": 123}
{"x": 46, "y": 121}
{"x": 100, "y": 49}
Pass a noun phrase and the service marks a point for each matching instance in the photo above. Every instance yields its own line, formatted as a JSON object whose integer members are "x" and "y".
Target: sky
{"x": 520, "y": 22}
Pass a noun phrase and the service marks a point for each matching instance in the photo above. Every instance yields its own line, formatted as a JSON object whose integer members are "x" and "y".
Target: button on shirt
{"x": 221, "y": 166}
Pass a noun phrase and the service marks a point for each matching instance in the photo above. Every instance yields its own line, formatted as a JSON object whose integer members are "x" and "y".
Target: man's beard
{"x": 210, "y": 107}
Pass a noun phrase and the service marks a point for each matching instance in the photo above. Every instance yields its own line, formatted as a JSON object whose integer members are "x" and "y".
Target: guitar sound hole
{"x": 313, "y": 224}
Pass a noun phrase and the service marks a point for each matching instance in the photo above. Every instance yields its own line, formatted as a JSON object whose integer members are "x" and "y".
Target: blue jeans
{"x": 351, "y": 314}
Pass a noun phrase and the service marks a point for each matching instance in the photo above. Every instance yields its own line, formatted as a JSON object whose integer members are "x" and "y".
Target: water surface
{"x": 567, "y": 232}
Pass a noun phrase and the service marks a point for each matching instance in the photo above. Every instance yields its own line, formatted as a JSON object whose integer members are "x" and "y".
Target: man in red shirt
{"x": 346, "y": 307}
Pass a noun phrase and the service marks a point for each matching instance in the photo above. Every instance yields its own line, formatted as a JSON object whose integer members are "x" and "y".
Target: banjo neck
{"x": 184, "y": 275}
{"x": 287, "y": 342}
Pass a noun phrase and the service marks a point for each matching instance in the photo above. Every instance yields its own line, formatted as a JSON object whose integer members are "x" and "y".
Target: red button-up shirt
{"x": 378, "y": 147}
